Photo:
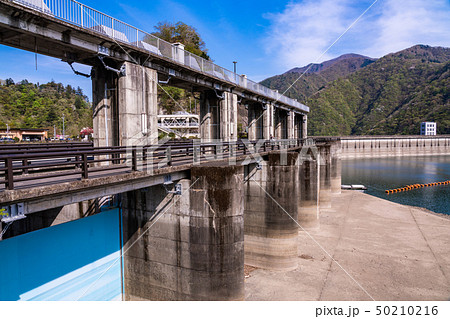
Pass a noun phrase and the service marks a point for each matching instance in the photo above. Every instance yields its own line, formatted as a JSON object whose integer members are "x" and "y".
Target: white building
{"x": 428, "y": 128}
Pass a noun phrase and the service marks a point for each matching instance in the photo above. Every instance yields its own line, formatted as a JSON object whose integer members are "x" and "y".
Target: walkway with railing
{"x": 88, "y": 18}
{"x": 22, "y": 169}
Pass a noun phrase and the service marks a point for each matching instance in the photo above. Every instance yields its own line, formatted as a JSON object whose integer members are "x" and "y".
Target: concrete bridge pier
{"x": 125, "y": 106}
{"x": 336, "y": 165}
{"x": 271, "y": 212}
{"x": 268, "y": 121}
{"x": 256, "y": 121}
{"x": 308, "y": 214}
{"x": 325, "y": 175}
{"x": 218, "y": 116}
{"x": 195, "y": 248}
{"x": 281, "y": 130}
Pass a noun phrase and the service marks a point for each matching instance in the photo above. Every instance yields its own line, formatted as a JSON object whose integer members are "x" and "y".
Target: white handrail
{"x": 68, "y": 10}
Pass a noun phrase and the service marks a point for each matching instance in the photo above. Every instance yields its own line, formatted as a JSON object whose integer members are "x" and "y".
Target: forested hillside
{"x": 28, "y": 105}
{"x": 390, "y": 96}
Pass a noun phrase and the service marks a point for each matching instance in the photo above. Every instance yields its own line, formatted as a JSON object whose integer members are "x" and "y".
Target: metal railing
{"x": 55, "y": 166}
{"x": 86, "y": 17}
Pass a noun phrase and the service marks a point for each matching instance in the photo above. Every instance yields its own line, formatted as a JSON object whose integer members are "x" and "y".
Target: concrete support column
{"x": 218, "y": 117}
{"x": 228, "y": 117}
{"x": 194, "y": 249}
{"x": 325, "y": 176}
{"x": 335, "y": 153}
{"x": 291, "y": 125}
{"x": 256, "y": 121}
{"x": 271, "y": 235}
{"x": 104, "y": 102}
{"x": 251, "y": 115}
{"x": 305, "y": 126}
{"x": 309, "y": 170}
{"x": 125, "y": 107}
{"x": 268, "y": 121}
{"x": 207, "y": 105}
{"x": 138, "y": 105}
{"x": 278, "y": 125}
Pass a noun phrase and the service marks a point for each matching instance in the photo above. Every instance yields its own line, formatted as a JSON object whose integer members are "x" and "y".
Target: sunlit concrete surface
{"x": 392, "y": 251}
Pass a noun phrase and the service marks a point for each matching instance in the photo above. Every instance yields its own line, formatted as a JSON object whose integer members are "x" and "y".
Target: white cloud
{"x": 403, "y": 24}
{"x": 304, "y": 30}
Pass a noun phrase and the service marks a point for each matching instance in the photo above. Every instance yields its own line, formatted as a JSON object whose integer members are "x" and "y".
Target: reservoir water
{"x": 379, "y": 174}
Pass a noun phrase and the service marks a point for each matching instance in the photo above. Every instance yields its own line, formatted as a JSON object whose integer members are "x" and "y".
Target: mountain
{"x": 391, "y": 95}
{"x": 316, "y": 75}
{"x": 345, "y": 64}
{"x": 28, "y": 105}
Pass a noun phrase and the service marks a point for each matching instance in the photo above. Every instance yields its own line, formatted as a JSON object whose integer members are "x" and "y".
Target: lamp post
{"x": 234, "y": 62}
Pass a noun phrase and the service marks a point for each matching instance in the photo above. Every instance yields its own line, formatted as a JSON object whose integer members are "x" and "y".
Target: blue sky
{"x": 265, "y": 37}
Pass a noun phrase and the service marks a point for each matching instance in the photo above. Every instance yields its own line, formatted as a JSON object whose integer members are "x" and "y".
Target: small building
{"x": 25, "y": 134}
{"x": 428, "y": 128}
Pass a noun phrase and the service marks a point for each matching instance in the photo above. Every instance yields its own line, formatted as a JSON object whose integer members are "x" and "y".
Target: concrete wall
{"x": 195, "y": 251}
{"x": 270, "y": 197}
{"x": 394, "y": 146}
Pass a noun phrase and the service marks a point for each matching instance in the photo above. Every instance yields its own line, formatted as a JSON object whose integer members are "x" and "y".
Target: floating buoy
{"x": 415, "y": 186}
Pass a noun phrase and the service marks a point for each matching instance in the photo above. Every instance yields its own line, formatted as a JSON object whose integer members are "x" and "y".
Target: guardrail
{"x": 86, "y": 17}
{"x": 15, "y": 168}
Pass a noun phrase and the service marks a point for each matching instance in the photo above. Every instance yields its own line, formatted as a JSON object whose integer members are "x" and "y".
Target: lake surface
{"x": 380, "y": 174}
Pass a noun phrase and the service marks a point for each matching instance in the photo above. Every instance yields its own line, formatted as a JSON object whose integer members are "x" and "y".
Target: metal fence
{"x": 88, "y": 18}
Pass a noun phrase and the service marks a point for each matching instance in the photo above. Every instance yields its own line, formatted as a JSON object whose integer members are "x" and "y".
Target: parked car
{"x": 6, "y": 140}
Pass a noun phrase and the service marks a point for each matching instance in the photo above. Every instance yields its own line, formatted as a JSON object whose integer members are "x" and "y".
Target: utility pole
{"x": 7, "y": 130}
{"x": 64, "y": 129}
{"x": 54, "y": 131}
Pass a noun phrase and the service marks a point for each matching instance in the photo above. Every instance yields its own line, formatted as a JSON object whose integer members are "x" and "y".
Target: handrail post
{"x": 25, "y": 169}
{"x": 169, "y": 155}
{"x": 9, "y": 185}
{"x": 84, "y": 167}
{"x": 134, "y": 159}
{"x": 82, "y": 13}
{"x": 196, "y": 154}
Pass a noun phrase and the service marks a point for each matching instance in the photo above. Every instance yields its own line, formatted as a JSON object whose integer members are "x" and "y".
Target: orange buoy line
{"x": 415, "y": 186}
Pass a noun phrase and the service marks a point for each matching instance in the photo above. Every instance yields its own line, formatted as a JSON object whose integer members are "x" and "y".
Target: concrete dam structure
{"x": 389, "y": 146}
{"x": 170, "y": 220}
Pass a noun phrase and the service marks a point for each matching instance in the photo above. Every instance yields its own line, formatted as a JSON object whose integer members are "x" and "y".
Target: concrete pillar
{"x": 104, "y": 102}
{"x": 271, "y": 235}
{"x": 335, "y": 153}
{"x": 255, "y": 121}
{"x": 278, "y": 125}
{"x": 305, "y": 126}
{"x": 138, "y": 105}
{"x": 228, "y": 118}
{"x": 268, "y": 121}
{"x": 325, "y": 175}
{"x": 207, "y": 104}
{"x": 309, "y": 170}
{"x": 128, "y": 114}
{"x": 218, "y": 117}
{"x": 290, "y": 125}
{"x": 195, "y": 248}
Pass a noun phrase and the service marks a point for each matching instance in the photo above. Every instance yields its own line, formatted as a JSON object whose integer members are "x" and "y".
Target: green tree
{"x": 182, "y": 33}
